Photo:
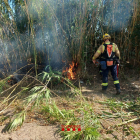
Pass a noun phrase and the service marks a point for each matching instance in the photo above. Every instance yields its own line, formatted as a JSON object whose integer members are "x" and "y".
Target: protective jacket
{"x": 108, "y": 53}
{"x": 102, "y": 50}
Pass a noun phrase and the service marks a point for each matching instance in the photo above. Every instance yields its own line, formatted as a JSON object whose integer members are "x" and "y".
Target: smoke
{"x": 118, "y": 15}
{"x": 49, "y": 35}
{"x": 50, "y": 52}
{"x": 47, "y": 28}
{"x": 17, "y": 47}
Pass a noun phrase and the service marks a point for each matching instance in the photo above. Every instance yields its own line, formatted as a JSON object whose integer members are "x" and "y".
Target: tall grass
{"x": 64, "y": 30}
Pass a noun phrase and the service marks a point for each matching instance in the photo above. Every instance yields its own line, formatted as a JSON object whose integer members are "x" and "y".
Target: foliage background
{"x": 56, "y": 32}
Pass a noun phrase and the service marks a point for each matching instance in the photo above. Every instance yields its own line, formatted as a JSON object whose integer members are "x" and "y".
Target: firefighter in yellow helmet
{"x": 108, "y": 53}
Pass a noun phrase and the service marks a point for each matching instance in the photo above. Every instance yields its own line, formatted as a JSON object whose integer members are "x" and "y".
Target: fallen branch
{"x": 136, "y": 119}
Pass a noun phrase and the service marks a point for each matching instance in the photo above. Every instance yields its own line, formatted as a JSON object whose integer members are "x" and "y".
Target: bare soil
{"x": 31, "y": 131}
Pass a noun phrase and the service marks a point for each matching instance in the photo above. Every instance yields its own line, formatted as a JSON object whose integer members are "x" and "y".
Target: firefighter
{"x": 108, "y": 52}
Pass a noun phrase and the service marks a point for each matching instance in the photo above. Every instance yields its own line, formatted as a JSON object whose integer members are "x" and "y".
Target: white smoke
{"x": 117, "y": 14}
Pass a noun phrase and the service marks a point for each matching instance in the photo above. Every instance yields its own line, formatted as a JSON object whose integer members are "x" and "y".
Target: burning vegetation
{"x": 70, "y": 72}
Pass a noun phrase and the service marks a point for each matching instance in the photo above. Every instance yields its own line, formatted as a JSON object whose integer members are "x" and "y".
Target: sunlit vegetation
{"x": 39, "y": 38}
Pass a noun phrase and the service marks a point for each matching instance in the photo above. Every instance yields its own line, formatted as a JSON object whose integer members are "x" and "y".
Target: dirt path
{"x": 130, "y": 91}
{"x": 31, "y": 131}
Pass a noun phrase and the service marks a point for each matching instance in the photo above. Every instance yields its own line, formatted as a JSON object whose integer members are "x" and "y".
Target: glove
{"x": 94, "y": 61}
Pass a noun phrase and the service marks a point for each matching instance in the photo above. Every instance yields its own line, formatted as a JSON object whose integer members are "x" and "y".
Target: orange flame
{"x": 70, "y": 73}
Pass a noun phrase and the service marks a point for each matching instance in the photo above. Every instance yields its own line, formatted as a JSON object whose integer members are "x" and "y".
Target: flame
{"x": 70, "y": 71}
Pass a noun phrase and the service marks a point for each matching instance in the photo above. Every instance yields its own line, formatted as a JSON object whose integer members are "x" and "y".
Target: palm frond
{"x": 17, "y": 121}
{"x": 47, "y": 95}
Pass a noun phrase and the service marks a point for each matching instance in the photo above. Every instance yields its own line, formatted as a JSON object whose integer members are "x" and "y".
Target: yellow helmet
{"x": 106, "y": 36}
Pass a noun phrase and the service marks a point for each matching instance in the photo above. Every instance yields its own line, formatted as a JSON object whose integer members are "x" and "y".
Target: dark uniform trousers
{"x": 105, "y": 72}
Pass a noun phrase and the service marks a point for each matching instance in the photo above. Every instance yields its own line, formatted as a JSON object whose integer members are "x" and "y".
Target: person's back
{"x": 108, "y": 52}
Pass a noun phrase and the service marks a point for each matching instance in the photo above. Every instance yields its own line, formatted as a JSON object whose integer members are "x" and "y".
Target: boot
{"x": 118, "y": 92}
